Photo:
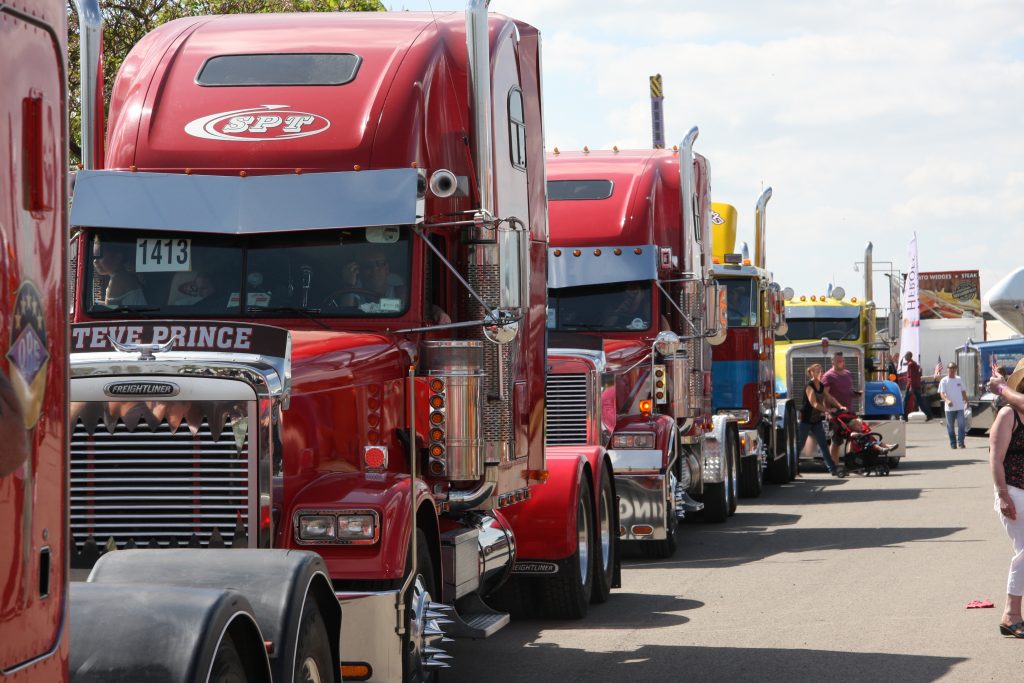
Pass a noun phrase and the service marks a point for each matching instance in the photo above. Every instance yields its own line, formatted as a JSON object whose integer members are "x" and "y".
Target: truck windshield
{"x": 742, "y": 299}
{"x": 355, "y": 272}
{"x": 836, "y": 329}
{"x": 616, "y": 307}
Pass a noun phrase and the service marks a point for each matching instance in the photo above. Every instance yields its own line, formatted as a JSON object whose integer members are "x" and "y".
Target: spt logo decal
{"x": 265, "y": 122}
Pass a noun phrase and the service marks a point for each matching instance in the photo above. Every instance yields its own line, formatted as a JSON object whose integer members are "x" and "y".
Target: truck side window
{"x": 516, "y": 128}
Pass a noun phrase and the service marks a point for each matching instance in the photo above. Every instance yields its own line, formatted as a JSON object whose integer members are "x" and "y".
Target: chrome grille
{"x": 566, "y": 398}
{"x": 797, "y": 380}
{"x": 138, "y": 481}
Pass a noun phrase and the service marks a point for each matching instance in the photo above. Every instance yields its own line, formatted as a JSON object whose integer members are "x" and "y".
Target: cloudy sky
{"x": 870, "y": 119}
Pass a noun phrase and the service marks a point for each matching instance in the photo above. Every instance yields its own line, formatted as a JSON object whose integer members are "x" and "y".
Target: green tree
{"x": 125, "y": 22}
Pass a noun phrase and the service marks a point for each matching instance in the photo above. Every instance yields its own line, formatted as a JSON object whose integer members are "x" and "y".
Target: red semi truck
{"x": 744, "y": 366}
{"x": 629, "y": 287}
{"x": 309, "y": 314}
{"x": 177, "y": 616}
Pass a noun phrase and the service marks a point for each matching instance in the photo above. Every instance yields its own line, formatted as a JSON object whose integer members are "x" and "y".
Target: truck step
{"x": 476, "y": 620}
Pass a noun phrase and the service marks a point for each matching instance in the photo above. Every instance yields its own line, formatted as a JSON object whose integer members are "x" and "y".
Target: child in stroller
{"x": 864, "y": 451}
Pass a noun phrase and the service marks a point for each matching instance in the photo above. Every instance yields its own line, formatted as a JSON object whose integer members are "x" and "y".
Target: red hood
{"x": 325, "y": 359}
{"x": 623, "y": 353}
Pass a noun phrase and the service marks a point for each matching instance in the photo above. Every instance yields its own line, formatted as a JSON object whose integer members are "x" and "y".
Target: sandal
{"x": 1014, "y": 630}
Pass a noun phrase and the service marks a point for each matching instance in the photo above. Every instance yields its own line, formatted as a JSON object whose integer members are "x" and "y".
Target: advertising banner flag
{"x": 910, "y": 329}
{"x": 950, "y": 294}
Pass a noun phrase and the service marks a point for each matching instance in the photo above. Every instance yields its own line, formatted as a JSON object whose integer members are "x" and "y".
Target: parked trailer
{"x": 629, "y": 287}
{"x": 310, "y": 312}
{"x": 744, "y": 366}
{"x": 176, "y": 616}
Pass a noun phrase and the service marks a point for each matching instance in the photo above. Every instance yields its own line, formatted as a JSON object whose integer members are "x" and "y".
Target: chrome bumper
{"x": 643, "y": 492}
{"x": 368, "y": 633}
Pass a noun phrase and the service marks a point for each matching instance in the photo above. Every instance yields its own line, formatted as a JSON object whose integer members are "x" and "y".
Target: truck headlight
{"x": 882, "y": 400}
{"x": 317, "y": 528}
{"x": 358, "y": 527}
{"x": 628, "y": 440}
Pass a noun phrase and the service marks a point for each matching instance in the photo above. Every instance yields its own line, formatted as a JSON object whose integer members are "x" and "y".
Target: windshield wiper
{"x": 309, "y": 313}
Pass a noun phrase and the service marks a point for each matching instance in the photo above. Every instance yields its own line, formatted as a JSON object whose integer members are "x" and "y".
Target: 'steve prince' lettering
{"x": 186, "y": 336}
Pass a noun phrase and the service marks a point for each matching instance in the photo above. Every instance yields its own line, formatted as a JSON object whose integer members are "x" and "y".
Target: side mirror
{"x": 667, "y": 343}
{"x": 716, "y": 313}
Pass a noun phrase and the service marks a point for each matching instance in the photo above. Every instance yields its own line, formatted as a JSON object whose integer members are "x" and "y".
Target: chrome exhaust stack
{"x": 496, "y": 257}
{"x": 760, "y": 239}
{"x": 90, "y": 23}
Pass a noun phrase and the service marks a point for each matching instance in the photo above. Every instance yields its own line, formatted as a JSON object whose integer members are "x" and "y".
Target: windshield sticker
{"x": 261, "y": 299}
{"x": 263, "y": 123}
{"x": 382, "y": 234}
{"x": 163, "y": 256}
{"x": 390, "y": 305}
{"x": 637, "y": 324}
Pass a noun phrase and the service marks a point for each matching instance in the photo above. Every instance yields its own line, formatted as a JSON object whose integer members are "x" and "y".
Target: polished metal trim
{"x": 567, "y": 270}
{"x": 643, "y": 500}
{"x": 217, "y": 204}
{"x": 636, "y": 460}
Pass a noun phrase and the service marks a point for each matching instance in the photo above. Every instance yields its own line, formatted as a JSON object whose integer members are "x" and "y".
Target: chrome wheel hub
{"x": 583, "y": 541}
{"x": 426, "y": 633}
{"x": 605, "y": 530}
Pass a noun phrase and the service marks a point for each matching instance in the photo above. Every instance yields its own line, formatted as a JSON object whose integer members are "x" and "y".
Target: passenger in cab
{"x": 123, "y": 286}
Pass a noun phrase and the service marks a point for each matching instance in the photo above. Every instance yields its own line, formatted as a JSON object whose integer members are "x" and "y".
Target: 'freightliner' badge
{"x": 266, "y": 122}
{"x": 141, "y": 389}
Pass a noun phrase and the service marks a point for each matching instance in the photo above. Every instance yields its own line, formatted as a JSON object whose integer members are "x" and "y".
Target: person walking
{"x": 812, "y": 420}
{"x": 914, "y": 387}
{"x": 1006, "y": 458}
{"x": 954, "y": 396}
{"x": 839, "y": 393}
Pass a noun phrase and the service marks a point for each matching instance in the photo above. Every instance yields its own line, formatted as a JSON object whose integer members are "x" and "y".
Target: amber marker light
{"x": 436, "y": 451}
{"x": 558, "y": 252}
{"x": 638, "y": 251}
{"x": 576, "y": 252}
{"x": 436, "y": 467}
{"x": 436, "y": 402}
{"x": 436, "y": 434}
{"x": 597, "y": 252}
{"x": 617, "y": 252}
{"x": 355, "y": 671}
{"x": 437, "y": 385}
{"x": 646, "y": 406}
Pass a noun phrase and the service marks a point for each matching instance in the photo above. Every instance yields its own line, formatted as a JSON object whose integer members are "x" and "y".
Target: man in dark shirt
{"x": 914, "y": 387}
{"x": 839, "y": 390}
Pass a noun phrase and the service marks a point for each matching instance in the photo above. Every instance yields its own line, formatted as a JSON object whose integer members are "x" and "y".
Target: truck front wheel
{"x": 607, "y": 540}
{"x": 421, "y": 635}
{"x": 567, "y": 597}
{"x": 313, "y": 658}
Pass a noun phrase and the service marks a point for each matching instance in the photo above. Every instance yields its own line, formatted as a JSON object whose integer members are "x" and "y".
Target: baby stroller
{"x": 863, "y": 451}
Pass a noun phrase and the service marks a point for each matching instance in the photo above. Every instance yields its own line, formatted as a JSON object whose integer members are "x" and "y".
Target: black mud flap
{"x": 275, "y": 583}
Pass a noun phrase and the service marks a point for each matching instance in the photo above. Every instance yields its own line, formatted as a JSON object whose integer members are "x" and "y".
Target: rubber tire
{"x": 313, "y": 644}
{"x": 716, "y": 495}
{"x": 791, "y": 444}
{"x": 425, "y": 569}
{"x": 604, "y": 567}
{"x": 751, "y": 477}
{"x": 780, "y": 470}
{"x": 733, "y": 437}
{"x": 227, "y": 664}
{"x": 566, "y": 597}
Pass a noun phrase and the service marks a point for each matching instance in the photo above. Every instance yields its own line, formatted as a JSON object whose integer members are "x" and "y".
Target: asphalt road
{"x": 859, "y": 579}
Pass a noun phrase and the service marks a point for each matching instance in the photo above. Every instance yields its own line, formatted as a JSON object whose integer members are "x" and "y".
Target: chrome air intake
{"x": 691, "y": 301}
{"x": 568, "y": 409}
{"x": 154, "y": 474}
{"x": 90, "y": 20}
{"x": 679, "y": 369}
{"x": 454, "y": 371}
